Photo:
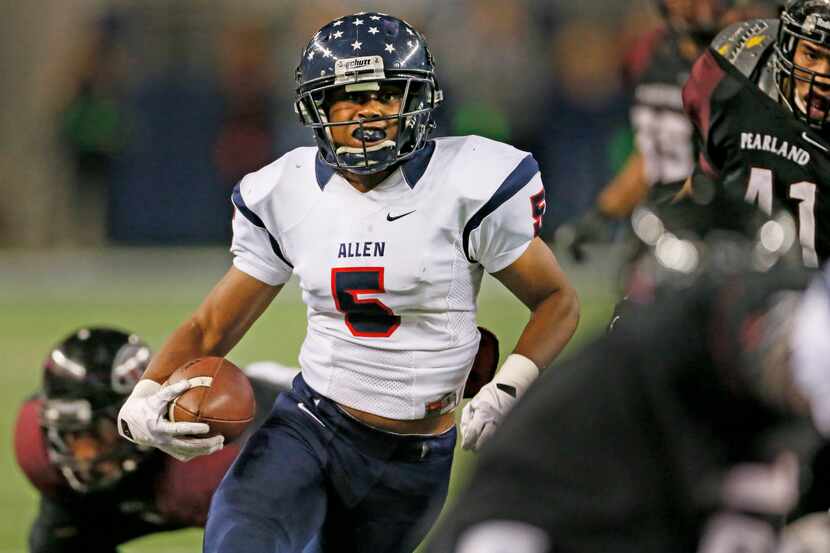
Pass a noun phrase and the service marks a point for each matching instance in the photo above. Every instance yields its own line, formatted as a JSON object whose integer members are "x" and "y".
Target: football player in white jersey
{"x": 389, "y": 234}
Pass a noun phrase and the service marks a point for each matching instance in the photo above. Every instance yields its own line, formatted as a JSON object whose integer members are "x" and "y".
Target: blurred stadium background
{"x": 126, "y": 124}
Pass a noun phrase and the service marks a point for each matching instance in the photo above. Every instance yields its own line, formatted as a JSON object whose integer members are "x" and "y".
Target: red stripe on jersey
{"x": 697, "y": 94}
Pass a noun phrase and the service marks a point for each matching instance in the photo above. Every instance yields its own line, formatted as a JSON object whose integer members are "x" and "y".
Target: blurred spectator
{"x": 585, "y": 113}
{"x": 246, "y": 139}
{"x": 167, "y": 143}
{"x": 92, "y": 126}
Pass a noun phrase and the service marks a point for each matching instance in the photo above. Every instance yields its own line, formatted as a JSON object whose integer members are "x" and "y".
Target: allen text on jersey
{"x": 361, "y": 249}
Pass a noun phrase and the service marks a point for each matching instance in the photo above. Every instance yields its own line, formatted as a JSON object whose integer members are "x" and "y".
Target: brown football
{"x": 220, "y": 395}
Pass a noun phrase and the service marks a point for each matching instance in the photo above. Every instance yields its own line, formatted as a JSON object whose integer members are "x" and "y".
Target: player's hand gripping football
{"x": 142, "y": 420}
{"x": 485, "y": 412}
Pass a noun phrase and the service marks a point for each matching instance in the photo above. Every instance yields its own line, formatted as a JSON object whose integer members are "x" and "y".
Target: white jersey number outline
{"x": 759, "y": 190}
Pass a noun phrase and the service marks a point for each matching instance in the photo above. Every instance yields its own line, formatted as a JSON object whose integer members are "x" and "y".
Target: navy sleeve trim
{"x": 239, "y": 203}
{"x": 514, "y": 182}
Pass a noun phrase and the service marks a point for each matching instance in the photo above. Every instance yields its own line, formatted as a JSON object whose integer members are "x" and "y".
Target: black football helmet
{"x": 360, "y": 52}
{"x": 803, "y": 20}
{"x": 86, "y": 379}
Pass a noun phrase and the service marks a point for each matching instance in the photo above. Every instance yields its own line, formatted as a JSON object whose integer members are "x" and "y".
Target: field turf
{"x": 43, "y": 296}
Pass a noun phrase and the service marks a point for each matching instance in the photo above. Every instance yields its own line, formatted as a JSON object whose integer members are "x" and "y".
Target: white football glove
{"x": 142, "y": 421}
{"x": 483, "y": 414}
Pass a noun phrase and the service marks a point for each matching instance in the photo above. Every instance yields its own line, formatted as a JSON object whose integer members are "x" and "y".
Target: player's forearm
{"x": 189, "y": 341}
{"x": 626, "y": 191}
{"x": 552, "y": 323}
{"x": 215, "y": 328}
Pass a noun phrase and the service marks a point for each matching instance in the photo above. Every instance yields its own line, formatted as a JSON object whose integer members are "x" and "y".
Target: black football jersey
{"x": 656, "y": 72}
{"x": 750, "y": 143}
{"x": 621, "y": 448}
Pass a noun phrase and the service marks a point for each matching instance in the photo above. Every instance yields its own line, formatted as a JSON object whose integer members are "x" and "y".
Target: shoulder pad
{"x": 744, "y": 44}
{"x": 261, "y": 183}
{"x": 30, "y": 450}
{"x": 477, "y": 166}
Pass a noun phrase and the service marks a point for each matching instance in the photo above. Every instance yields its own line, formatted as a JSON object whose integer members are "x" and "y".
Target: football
{"x": 220, "y": 395}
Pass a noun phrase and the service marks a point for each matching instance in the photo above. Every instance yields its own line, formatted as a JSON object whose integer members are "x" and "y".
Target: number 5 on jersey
{"x": 365, "y": 317}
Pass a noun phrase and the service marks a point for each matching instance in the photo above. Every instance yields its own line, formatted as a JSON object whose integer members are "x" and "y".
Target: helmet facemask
{"x": 812, "y": 34}
{"x": 376, "y": 153}
{"x": 84, "y": 444}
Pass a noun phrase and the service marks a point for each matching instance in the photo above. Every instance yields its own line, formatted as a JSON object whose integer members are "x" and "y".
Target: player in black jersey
{"x": 681, "y": 432}
{"x": 654, "y": 71}
{"x": 759, "y": 99}
{"x": 96, "y": 489}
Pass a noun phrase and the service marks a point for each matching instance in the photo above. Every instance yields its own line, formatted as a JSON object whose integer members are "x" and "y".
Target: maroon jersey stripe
{"x": 697, "y": 94}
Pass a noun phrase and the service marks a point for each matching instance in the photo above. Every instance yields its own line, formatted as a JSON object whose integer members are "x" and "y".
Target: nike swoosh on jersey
{"x": 806, "y": 137}
{"x": 390, "y": 218}
{"x": 301, "y": 406}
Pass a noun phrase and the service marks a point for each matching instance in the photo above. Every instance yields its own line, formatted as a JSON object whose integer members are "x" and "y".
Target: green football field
{"x": 44, "y": 296}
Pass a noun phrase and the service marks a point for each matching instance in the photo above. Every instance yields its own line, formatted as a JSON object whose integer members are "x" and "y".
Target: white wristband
{"x": 517, "y": 370}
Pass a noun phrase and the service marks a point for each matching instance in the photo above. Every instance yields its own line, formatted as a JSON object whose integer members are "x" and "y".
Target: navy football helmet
{"x": 803, "y": 20}
{"x": 362, "y": 52}
{"x": 86, "y": 379}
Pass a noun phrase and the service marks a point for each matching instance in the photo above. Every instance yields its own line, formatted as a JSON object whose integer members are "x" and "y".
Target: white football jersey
{"x": 390, "y": 276}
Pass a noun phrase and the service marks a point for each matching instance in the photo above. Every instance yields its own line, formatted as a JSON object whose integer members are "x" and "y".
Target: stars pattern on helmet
{"x": 409, "y": 42}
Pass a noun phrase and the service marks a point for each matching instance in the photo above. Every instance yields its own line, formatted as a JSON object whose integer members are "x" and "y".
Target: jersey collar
{"x": 413, "y": 168}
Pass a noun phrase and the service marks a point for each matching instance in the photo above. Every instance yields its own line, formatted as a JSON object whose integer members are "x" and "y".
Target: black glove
{"x": 592, "y": 227}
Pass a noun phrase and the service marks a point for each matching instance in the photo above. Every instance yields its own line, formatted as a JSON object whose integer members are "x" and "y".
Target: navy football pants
{"x": 313, "y": 476}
